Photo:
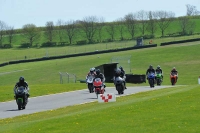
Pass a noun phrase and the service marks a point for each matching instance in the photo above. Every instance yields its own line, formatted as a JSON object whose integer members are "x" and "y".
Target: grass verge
{"x": 166, "y": 110}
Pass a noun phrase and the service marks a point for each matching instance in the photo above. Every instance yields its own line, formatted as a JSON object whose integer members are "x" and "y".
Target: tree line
{"x": 144, "y": 22}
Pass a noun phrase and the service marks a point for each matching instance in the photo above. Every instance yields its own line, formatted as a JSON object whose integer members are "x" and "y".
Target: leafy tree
{"x": 89, "y": 25}
{"x": 30, "y": 33}
{"x": 49, "y": 31}
{"x": 70, "y": 28}
{"x": 131, "y": 23}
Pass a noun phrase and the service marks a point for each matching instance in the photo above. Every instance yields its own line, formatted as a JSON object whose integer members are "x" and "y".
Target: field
{"x": 166, "y": 110}
{"x": 46, "y": 73}
{"x": 30, "y": 53}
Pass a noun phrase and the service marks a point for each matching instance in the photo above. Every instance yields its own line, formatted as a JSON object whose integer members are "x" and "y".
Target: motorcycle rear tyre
{"x": 19, "y": 103}
{"x": 158, "y": 82}
{"x": 173, "y": 81}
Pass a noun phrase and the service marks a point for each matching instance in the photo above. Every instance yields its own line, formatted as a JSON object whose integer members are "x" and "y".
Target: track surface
{"x": 49, "y": 102}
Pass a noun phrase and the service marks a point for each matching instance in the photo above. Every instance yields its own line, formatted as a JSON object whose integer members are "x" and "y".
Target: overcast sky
{"x": 20, "y": 12}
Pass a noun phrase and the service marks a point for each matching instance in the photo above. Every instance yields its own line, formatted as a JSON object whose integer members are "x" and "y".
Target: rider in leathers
{"x": 159, "y": 70}
{"x": 23, "y": 83}
{"x": 101, "y": 76}
{"x": 175, "y": 72}
{"x": 150, "y": 70}
{"x": 122, "y": 75}
{"x": 91, "y": 72}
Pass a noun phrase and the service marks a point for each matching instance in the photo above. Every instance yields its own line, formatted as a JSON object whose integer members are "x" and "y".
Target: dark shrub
{"x": 82, "y": 42}
{"x": 107, "y": 40}
{"x": 148, "y": 36}
{"x": 48, "y": 44}
{"x": 7, "y": 46}
{"x": 25, "y": 45}
{"x": 92, "y": 42}
{"x": 63, "y": 44}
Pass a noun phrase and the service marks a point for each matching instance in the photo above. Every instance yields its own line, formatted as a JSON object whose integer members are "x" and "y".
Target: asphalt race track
{"x": 54, "y": 101}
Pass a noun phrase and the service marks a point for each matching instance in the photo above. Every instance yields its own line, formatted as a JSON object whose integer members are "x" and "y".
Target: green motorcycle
{"x": 158, "y": 78}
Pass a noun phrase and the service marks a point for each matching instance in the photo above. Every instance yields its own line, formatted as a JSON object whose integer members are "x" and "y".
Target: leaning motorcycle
{"x": 158, "y": 78}
{"x": 98, "y": 86}
{"x": 151, "y": 79}
{"x": 173, "y": 78}
{"x": 89, "y": 82}
{"x": 21, "y": 97}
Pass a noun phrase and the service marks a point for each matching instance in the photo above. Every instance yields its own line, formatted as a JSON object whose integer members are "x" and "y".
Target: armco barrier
{"x": 82, "y": 54}
{"x": 181, "y": 41}
{"x": 135, "y": 78}
{"x": 3, "y": 64}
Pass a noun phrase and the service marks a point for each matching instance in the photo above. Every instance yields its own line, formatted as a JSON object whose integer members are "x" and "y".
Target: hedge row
{"x": 79, "y": 54}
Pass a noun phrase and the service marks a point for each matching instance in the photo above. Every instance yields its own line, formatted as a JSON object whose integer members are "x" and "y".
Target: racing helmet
{"x": 21, "y": 79}
{"x": 150, "y": 67}
{"x": 158, "y": 67}
{"x": 121, "y": 68}
{"x": 98, "y": 71}
{"x": 92, "y": 70}
{"x": 118, "y": 71}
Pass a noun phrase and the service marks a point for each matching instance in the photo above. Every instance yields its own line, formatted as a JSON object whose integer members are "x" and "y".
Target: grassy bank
{"x": 30, "y": 53}
{"x": 174, "y": 27}
{"x": 167, "y": 110}
{"x": 46, "y": 74}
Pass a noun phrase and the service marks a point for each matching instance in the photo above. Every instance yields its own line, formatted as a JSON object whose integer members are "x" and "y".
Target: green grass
{"x": 39, "y": 90}
{"x": 30, "y": 53}
{"x": 46, "y": 73}
{"x": 166, "y": 110}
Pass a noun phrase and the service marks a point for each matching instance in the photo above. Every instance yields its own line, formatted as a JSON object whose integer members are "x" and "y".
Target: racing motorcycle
{"x": 119, "y": 82}
{"x": 151, "y": 79}
{"x": 98, "y": 86}
{"x": 173, "y": 78}
{"x": 158, "y": 78}
{"x": 21, "y": 97}
{"x": 89, "y": 82}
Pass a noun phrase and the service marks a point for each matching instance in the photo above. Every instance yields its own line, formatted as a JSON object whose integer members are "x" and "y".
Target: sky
{"x": 17, "y": 13}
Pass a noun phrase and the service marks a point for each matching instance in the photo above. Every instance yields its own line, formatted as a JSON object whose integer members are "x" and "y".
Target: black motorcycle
{"x": 21, "y": 97}
{"x": 119, "y": 83}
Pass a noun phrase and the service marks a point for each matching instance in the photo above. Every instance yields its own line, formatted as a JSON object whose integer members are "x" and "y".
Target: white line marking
{"x": 13, "y": 71}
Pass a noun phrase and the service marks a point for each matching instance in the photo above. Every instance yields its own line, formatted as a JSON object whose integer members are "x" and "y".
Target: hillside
{"x": 79, "y": 36}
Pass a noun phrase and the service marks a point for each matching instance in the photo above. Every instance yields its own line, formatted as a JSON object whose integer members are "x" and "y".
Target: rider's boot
{"x": 104, "y": 86}
{"x": 125, "y": 85}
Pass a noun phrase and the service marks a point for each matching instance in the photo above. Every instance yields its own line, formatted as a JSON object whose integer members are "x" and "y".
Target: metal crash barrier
{"x": 135, "y": 78}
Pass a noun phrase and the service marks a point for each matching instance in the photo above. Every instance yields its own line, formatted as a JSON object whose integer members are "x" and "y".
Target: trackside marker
{"x": 106, "y": 97}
